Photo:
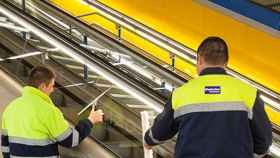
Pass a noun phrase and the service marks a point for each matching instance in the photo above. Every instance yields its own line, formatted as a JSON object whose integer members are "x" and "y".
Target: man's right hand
{"x": 148, "y": 147}
{"x": 96, "y": 116}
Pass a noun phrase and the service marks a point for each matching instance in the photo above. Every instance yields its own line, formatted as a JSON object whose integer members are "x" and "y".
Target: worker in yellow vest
{"x": 32, "y": 126}
{"x": 215, "y": 115}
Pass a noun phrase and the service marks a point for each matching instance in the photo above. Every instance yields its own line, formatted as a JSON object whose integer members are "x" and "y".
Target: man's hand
{"x": 96, "y": 116}
{"x": 146, "y": 146}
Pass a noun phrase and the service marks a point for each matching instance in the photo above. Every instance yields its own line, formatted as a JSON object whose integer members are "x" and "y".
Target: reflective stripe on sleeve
{"x": 156, "y": 141}
{"x": 75, "y": 140}
{"x": 4, "y": 132}
{"x": 64, "y": 135}
{"x": 5, "y": 149}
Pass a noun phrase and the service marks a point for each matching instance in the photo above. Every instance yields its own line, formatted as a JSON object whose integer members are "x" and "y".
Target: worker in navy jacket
{"x": 215, "y": 115}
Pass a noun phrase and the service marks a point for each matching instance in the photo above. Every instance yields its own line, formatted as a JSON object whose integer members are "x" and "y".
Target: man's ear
{"x": 42, "y": 86}
{"x": 199, "y": 60}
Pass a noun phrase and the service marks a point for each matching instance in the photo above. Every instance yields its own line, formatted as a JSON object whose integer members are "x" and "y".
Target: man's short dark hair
{"x": 39, "y": 75}
{"x": 214, "y": 51}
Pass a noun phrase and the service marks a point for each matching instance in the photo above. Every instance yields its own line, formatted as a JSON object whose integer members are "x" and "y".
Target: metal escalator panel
{"x": 64, "y": 56}
{"x": 131, "y": 66}
{"x": 121, "y": 130}
{"x": 85, "y": 74}
{"x": 123, "y": 20}
{"x": 9, "y": 90}
{"x": 123, "y": 60}
{"x": 13, "y": 77}
{"x": 269, "y": 96}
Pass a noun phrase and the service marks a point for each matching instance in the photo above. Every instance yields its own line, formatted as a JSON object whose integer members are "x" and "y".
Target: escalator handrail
{"x": 74, "y": 50}
{"x": 111, "y": 41}
{"x": 174, "y": 44}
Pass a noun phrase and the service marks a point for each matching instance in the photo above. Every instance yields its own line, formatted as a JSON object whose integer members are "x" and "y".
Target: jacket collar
{"x": 213, "y": 71}
{"x": 28, "y": 90}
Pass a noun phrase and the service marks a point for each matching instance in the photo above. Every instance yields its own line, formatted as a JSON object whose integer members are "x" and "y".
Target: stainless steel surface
{"x": 126, "y": 144}
{"x": 9, "y": 90}
{"x": 76, "y": 53}
{"x": 182, "y": 51}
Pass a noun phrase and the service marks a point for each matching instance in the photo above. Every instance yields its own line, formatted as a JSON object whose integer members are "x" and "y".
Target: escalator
{"x": 121, "y": 132}
{"x": 81, "y": 69}
{"x": 270, "y": 97}
{"x": 175, "y": 49}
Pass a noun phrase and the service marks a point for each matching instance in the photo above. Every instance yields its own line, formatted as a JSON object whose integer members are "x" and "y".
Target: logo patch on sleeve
{"x": 212, "y": 90}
